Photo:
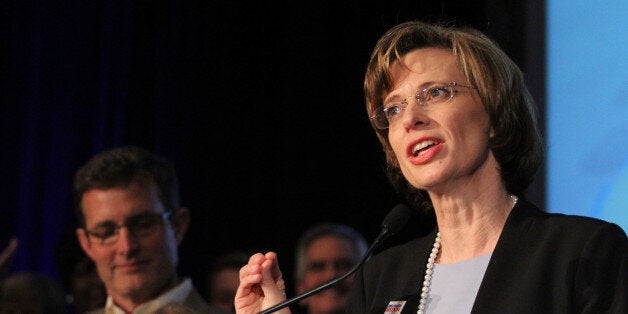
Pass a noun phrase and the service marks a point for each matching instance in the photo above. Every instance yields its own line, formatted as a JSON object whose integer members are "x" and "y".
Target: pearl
{"x": 514, "y": 199}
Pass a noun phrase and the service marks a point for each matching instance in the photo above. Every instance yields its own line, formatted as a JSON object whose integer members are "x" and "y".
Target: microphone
{"x": 393, "y": 223}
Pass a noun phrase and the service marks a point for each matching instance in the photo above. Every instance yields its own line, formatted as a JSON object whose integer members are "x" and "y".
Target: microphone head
{"x": 397, "y": 218}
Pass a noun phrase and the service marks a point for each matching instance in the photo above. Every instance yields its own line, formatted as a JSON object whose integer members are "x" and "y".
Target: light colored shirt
{"x": 178, "y": 294}
{"x": 454, "y": 286}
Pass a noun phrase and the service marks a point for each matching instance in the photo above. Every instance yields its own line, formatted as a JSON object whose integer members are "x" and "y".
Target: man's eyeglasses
{"x": 384, "y": 115}
{"x": 138, "y": 226}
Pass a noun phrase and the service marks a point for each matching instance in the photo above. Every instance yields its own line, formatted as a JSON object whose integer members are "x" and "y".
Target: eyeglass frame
{"x": 116, "y": 230}
{"x": 420, "y": 96}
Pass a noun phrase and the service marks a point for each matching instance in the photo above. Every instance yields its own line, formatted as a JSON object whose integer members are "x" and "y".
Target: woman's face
{"x": 445, "y": 146}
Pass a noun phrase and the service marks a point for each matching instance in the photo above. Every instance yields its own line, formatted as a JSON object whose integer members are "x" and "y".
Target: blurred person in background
{"x": 131, "y": 224}
{"x": 324, "y": 252}
{"x": 222, "y": 279}
{"x": 31, "y": 293}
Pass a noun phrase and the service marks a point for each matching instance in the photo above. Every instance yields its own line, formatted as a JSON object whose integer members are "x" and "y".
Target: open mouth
{"x": 422, "y": 146}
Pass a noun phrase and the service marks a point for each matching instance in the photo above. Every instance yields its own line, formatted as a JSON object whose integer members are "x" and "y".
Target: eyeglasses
{"x": 384, "y": 115}
{"x": 138, "y": 226}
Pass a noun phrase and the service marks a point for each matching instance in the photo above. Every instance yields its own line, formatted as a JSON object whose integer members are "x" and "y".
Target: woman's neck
{"x": 470, "y": 224}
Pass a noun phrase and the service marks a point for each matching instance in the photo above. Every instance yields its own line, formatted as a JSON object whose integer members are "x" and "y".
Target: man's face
{"x": 141, "y": 263}
{"x": 328, "y": 257}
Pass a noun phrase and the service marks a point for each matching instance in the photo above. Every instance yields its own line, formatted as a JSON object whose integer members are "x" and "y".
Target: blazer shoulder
{"x": 528, "y": 214}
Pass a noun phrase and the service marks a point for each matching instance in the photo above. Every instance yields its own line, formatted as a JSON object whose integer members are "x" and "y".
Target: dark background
{"x": 258, "y": 103}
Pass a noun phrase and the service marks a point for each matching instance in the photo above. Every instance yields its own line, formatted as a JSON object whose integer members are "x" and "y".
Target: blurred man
{"x": 31, "y": 292}
{"x": 131, "y": 225}
{"x": 324, "y": 252}
{"x": 223, "y": 279}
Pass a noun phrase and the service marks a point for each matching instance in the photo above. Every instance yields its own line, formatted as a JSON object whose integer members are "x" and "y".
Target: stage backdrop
{"x": 587, "y": 106}
{"x": 258, "y": 103}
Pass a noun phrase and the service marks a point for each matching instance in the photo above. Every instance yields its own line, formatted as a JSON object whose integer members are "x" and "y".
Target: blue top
{"x": 454, "y": 286}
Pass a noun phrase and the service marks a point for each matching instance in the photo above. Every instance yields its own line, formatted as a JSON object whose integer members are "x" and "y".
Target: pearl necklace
{"x": 430, "y": 266}
{"x": 428, "y": 274}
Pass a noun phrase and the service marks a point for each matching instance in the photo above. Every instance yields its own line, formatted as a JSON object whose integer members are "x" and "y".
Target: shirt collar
{"x": 178, "y": 294}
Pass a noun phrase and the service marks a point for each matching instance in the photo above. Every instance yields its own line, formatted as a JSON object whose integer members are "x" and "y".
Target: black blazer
{"x": 543, "y": 263}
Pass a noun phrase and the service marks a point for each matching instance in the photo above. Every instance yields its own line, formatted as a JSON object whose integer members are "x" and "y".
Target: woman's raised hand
{"x": 261, "y": 285}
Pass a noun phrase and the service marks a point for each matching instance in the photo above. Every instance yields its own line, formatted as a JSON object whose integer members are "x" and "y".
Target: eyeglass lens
{"x": 138, "y": 226}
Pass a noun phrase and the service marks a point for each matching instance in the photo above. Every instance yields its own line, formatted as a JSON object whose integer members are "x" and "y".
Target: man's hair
{"x": 516, "y": 144}
{"x": 321, "y": 230}
{"x": 122, "y": 166}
